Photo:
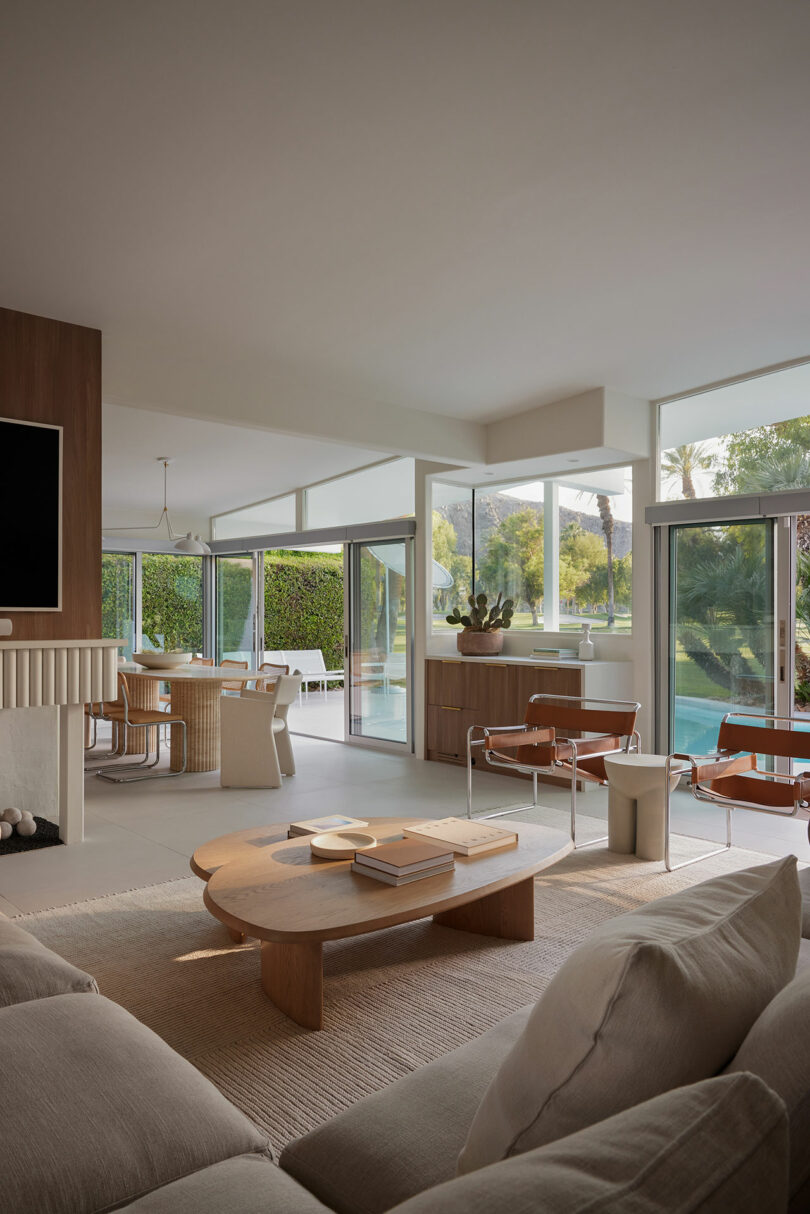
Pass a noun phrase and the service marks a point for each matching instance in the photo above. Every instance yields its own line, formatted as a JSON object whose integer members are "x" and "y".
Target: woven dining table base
{"x": 197, "y": 702}
{"x": 143, "y": 693}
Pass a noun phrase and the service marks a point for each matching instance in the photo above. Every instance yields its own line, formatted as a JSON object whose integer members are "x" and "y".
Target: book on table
{"x": 463, "y": 835}
{"x": 322, "y": 826}
{"x": 551, "y": 651}
{"x": 405, "y": 857}
{"x": 366, "y": 870}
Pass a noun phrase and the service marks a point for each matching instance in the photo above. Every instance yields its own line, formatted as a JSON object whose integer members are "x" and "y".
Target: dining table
{"x": 196, "y": 692}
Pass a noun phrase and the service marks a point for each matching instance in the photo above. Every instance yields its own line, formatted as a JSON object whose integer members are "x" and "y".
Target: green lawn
{"x": 522, "y": 620}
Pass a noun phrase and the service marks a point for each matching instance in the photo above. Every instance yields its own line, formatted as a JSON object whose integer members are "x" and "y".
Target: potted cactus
{"x": 481, "y": 629}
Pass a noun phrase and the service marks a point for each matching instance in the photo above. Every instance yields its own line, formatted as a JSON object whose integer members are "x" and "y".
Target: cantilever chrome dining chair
{"x": 122, "y": 715}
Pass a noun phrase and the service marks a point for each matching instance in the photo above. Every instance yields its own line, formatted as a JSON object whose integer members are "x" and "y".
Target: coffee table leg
{"x": 509, "y": 913}
{"x": 237, "y": 936}
{"x": 292, "y": 976}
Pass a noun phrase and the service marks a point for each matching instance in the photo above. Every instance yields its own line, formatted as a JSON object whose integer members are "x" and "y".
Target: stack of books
{"x": 404, "y": 861}
{"x": 321, "y": 826}
{"x": 556, "y": 654}
{"x": 463, "y": 835}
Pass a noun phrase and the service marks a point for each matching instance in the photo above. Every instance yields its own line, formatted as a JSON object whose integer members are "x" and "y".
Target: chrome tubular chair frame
{"x": 116, "y": 773}
{"x": 565, "y": 763}
{"x": 723, "y": 763}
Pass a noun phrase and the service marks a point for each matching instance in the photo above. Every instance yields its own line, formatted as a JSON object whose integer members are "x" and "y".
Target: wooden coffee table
{"x": 262, "y": 884}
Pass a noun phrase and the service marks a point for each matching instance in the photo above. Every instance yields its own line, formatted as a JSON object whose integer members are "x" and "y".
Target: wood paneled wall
{"x": 51, "y": 372}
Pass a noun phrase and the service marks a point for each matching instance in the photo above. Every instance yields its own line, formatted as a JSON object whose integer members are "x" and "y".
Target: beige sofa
{"x": 606, "y": 1095}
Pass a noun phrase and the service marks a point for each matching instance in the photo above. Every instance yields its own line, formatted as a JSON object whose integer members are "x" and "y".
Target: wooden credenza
{"x": 484, "y": 691}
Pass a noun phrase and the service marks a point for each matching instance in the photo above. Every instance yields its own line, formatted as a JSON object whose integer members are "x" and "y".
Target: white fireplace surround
{"x": 44, "y": 686}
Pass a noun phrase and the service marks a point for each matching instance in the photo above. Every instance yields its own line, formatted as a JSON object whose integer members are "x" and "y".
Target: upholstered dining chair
{"x": 731, "y": 778}
{"x": 125, "y": 718}
{"x": 255, "y": 741}
{"x": 566, "y": 736}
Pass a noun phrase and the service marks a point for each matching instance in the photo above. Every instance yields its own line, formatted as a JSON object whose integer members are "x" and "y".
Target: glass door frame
{"x": 783, "y": 509}
{"x": 351, "y": 552}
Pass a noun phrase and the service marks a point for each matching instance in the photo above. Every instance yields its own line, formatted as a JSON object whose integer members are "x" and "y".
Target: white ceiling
{"x": 215, "y": 467}
{"x": 461, "y": 207}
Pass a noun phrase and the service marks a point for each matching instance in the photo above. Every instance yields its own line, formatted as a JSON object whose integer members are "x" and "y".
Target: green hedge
{"x": 303, "y": 603}
{"x": 171, "y": 601}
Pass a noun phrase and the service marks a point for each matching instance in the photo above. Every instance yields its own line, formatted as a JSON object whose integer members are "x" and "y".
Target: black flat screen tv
{"x": 31, "y": 513}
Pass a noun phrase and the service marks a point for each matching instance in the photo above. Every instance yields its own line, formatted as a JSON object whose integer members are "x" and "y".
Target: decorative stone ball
{"x": 26, "y": 826}
{"x": 11, "y": 815}
{"x": 5, "y": 829}
{"x": 26, "y": 813}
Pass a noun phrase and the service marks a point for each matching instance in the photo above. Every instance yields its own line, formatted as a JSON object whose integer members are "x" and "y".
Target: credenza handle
{"x": 449, "y": 708}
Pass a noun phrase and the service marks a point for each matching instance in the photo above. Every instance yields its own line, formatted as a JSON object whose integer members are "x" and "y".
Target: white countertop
{"x": 506, "y": 660}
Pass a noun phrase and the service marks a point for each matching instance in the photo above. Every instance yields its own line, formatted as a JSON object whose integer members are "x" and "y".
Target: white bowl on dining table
{"x": 161, "y": 661}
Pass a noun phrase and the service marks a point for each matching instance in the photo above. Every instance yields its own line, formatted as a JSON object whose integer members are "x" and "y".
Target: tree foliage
{"x": 681, "y": 464}
{"x": 513, "y": 560}
{"x": 445, "y": 543}
{"x": 766, "y": 459}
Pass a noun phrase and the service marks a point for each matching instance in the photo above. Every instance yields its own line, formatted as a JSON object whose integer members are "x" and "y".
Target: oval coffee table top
{"x": 271, "y": 887}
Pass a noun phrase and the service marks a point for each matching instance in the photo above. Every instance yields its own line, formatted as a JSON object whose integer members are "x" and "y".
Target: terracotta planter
{"x": 479, "y": 644}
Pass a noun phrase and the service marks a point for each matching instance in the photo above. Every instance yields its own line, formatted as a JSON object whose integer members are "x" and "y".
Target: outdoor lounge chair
{"x": 731, "y": 778}
{"x": 551, "y": 742}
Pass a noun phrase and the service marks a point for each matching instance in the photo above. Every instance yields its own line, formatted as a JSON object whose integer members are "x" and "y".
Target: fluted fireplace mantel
{"x": 66, "y": 675}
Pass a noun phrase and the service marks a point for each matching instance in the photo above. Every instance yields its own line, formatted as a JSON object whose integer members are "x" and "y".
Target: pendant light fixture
{"x": 190, "y": 543}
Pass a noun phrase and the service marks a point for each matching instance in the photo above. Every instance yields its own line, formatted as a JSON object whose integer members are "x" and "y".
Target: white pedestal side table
{"x": 637, "y": 803}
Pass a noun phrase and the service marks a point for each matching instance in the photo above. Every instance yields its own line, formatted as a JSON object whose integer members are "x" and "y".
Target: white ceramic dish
{"x": 340, "y": 846}
{"x": 161, "y": 661}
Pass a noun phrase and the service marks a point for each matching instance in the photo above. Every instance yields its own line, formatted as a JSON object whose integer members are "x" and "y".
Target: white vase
{"x": 586, "y": 650}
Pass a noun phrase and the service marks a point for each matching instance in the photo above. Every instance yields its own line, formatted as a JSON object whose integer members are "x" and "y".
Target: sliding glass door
{"x": 721, "y": 651}
{"x": 118, "y": 598}
{"x": 378, "y": 659}
{"x": 235, "y": 580}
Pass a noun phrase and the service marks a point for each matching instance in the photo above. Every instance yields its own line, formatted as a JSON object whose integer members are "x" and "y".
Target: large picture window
{"x": 748, "y": 437}
{"x": 560, "y": 548}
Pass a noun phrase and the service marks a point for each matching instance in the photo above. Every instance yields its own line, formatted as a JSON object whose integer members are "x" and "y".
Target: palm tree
{"x": 787, "y": 467}
{"x": 606, "y": 515}
{"x": 681, "y": 463}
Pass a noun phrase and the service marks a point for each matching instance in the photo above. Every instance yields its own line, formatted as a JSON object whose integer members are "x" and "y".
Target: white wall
{"x": 29, "y": 773}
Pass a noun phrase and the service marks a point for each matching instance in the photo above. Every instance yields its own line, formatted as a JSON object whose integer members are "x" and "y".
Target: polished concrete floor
{"x": 144, "y": 833}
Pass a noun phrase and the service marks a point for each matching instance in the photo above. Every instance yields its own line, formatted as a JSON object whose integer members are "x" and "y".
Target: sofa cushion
{"x": 247, "y": 1184}
{"x": 29, "y": 970}
{"x": 654, "y": 999}
{"x": 713, "y": 1147}
{"x": 803, "y": 960}
{"x": 778, "y": 1050}
{"x": 405, "y": 1138}
{"x": 804, "y": 885}
{"x": 102, "y": 1110}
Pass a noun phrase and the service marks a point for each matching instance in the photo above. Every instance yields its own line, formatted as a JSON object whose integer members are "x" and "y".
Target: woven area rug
{"x": 393, "y": 1000}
